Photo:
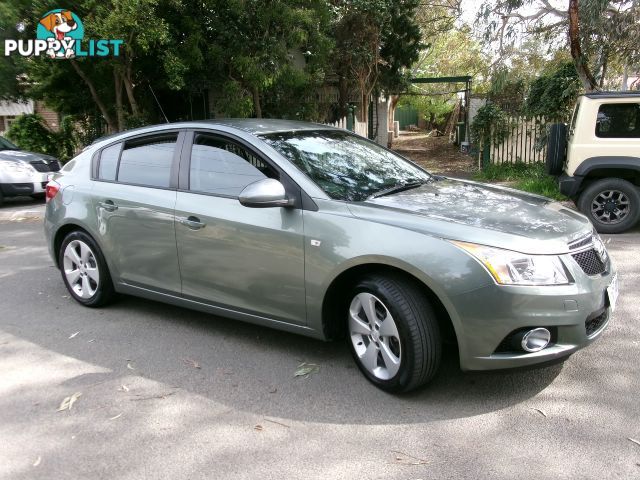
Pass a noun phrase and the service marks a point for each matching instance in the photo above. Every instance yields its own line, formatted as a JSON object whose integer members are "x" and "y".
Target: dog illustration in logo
{"x": 60, "y": 23}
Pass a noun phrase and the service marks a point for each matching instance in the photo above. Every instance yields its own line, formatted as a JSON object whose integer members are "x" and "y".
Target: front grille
{"x": 40, "y": 166}
{"x": 592, "y": 325}
{"x": 589, "y": 261}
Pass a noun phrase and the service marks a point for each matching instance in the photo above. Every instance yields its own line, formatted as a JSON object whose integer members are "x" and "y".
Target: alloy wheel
{"x": 610, "y": 206}
{"x": 374, "y": 335}
{"x": 81, "y": 269}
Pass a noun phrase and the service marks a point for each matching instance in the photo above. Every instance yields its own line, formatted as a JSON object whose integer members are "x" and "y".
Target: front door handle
{"x": 192, "y": 222}
{"x": 108, "y": 205}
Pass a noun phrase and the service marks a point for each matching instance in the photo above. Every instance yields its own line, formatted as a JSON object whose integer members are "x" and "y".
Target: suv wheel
{"x": 393, "y": 333}
{"x": 612, "y": 205}
{"x": 84, "y": 270}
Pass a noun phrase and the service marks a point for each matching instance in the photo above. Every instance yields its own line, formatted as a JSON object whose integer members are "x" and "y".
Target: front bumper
{"x": 576, "y": 315}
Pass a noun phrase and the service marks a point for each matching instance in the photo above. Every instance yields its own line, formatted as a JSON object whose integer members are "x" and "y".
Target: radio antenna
{"x": 159, "y": 106}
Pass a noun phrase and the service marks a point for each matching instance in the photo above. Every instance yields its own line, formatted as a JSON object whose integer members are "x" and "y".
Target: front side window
{"x": 345, "y": 166}
{"x": 618, "y": 120}
{"x": 147, "y": 161}
{"x": 222, "y": 167}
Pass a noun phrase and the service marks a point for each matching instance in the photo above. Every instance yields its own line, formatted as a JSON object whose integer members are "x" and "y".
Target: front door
{"x": 247, "y": 259}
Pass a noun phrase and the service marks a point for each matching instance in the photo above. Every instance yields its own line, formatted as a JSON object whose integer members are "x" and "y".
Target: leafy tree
{"x": 595, "y": 32}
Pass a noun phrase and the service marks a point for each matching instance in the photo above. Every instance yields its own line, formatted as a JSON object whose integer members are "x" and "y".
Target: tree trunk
{"x": 117, "y": 80}
{"x": 393, "y": 104}
{"x": 584, "y": 74}
{"x": 128, "y": 86}
{"x": 111, "y": 124}
{"x": 343, "y": 96}
{"x": 257, "y": 109}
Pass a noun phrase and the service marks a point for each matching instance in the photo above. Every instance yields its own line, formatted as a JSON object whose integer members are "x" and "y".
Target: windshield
{"x": 7, "y": 145}
{"x": 345, "y": 166}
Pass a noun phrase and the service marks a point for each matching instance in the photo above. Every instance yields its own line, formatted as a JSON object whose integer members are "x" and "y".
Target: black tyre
{"x": 556, "y": 148}
{"x": 84, "y": 270}
{"x": 612, "y": 205}
{"x": 393, "y": 333}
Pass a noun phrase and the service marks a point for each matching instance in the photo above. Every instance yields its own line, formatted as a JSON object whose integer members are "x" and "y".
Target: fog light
{"x": 535, "y": 340}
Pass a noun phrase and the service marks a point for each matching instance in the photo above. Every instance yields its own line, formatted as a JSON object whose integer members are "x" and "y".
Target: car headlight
{"x": 515, "y": 268}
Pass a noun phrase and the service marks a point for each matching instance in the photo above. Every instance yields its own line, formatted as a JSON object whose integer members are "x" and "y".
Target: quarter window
{"x": 109, "y": 162}
{"x": 147, "y": 161}
{"x": 222, "y": 167}
{"x": 618, "y": 120}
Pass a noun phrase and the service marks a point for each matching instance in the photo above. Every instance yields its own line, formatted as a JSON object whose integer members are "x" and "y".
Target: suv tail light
{"x": 51, "y": 190}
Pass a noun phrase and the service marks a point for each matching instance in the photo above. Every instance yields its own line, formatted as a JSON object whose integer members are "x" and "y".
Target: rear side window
{"x": 147, "y": 161}
{"x": 109, "y": 162}
{"x": 222, "y": 167}
{"x": 618, "y": 120}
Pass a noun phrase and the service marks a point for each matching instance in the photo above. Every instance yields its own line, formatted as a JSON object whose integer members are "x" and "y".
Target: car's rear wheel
{"x": 612, "y": 205}
{"x": 393, "y": 333}
{"x": 84, "y": 270}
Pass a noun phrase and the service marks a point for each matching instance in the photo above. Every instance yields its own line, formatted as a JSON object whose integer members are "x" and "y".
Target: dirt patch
{"x": 435, "y": 154}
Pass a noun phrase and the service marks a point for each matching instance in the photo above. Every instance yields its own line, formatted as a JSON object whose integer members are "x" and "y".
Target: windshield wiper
{"x": 401, "y": 187}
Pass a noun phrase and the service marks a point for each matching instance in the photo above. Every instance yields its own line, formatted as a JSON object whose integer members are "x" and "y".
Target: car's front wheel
{"x": 393, "y": 333}
{"x": 84, "y": 270}
{"x": 612, "y": 205}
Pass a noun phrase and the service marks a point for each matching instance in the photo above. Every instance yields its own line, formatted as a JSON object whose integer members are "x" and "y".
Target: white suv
{"x": 23, "y": 173}
{"x": 598, "y": 159}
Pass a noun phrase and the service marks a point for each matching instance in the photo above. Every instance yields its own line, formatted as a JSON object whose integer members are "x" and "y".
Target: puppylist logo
{"x": 60, "y": 34}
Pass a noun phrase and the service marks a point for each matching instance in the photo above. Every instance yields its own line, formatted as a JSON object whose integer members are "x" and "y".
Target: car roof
{"x": 255, "y": 126}
{"x": 596, "y": 95}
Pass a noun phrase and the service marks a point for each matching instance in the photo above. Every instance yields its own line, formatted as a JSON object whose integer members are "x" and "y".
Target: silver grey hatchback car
{"x": 318, "y": 231}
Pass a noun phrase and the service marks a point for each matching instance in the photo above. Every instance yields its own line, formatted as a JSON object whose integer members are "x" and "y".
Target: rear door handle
{"x": 108, "y": 205}
{"x": 192, "y": 222}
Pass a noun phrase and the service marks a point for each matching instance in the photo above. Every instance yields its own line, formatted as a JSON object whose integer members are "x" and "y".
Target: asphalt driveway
{"x": 170, "y": 393}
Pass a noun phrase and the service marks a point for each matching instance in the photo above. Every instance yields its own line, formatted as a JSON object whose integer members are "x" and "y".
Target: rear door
{"x": 246, "y": 259}
{"x": 134, "y": 197}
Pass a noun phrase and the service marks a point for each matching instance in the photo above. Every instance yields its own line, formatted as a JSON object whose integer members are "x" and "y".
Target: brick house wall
{"x": 51, "y": 118}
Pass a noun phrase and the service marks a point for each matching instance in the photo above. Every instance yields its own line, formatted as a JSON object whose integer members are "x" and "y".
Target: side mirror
{"x": 264, "y": 194}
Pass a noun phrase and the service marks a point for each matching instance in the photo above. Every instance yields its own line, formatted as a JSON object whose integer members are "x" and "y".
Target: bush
{"x": 490, "y": 125}
{"x": 30, "y": 133}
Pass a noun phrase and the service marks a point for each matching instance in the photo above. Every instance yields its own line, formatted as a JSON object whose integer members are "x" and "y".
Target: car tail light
{"x": 51, "y": 190}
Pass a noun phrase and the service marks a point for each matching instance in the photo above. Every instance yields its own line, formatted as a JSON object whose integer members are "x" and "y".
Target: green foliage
{"x": 30, "y": 133}
{"x": 490, "y": 125}
{"x": 529, "y": 177}
{"x": 507, "y": 90}
{"x": 553, "y": 94}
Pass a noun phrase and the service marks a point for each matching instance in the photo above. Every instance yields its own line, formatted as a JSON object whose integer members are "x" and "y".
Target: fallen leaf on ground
{"x": 637, "y": 442}
{"x": 37, "y": 462}
{"x": 92, "y": 340}
{"x": 539, "y": 411}
{"x": 277, "y": 423}
{"x": 406, "y": 459}
{"x": 68, "y": 402}
{"x": 273, "y": 390}
{"x": 305, "y": 369}
{"x": 117, "y": 416}
{"x": 123, "y": 388}
{"x": 191, "y": 363}
{"x": 259, "y": 428}
{"x": 73, "y": 335}
{"x": 162, "y": 396}
{"x": 129, "y": 366}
